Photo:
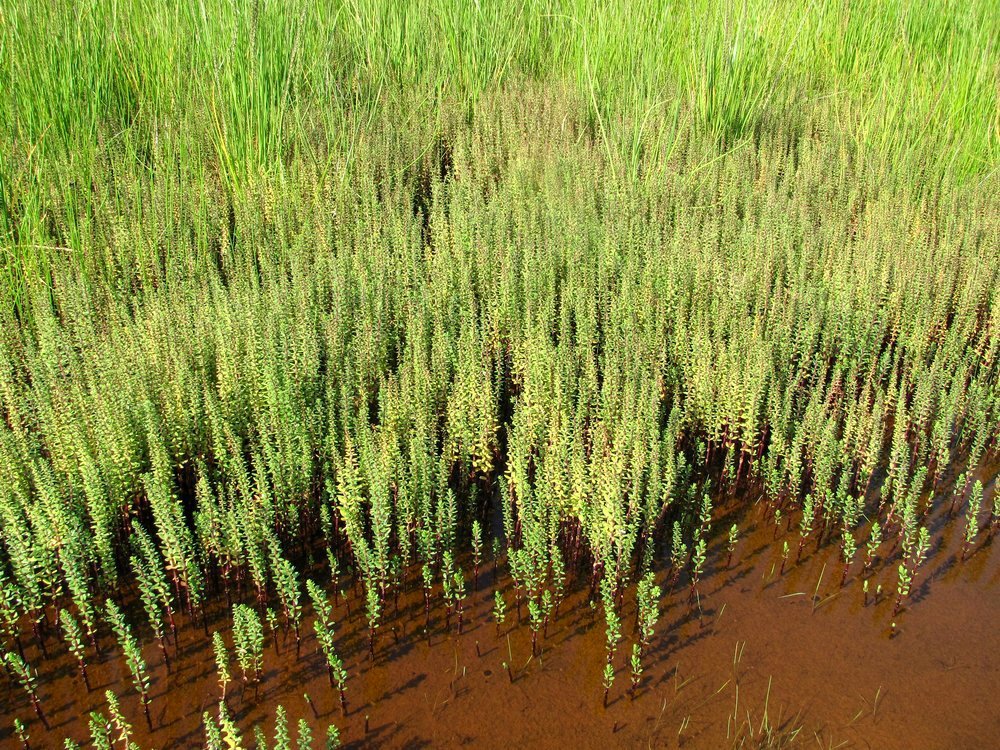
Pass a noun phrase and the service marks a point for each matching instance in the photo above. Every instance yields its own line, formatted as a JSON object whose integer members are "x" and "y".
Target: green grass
{"x": 289, "y": 269}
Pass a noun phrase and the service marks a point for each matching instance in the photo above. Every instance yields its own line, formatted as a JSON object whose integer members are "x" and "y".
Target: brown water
{"x": 793, "y": 653}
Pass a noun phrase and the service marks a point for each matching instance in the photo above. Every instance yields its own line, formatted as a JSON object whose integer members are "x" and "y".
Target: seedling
{"x": 874, "y": 541}
{"x": 304, "y": 741}
{"x": 100, "y": 731}
{"x": 612, "y": 633}
{"x": 133, "y": 656}
{"x": 972, "y": 518}
{"x": 499, "y": 610}
{"x": 230, "y": 732}
{"x": 697, "y": 566}
{"x": 221, "y": 661}
{"x": 282, "y": 739}
{"x": 477, "y": 552}
{"x": 805, "y": 524}
{"x": 74, "y": 640}
{"x": 635, "y": 662}
{"x": 118, "y": 720}
{"x": 248, "y": 642}
{"x": 22, "y": 733}
{"x": 848, "y": 550}
{"x": 905, "y": 578}
{"x": 332, "y": 737}
{"x": 678, "y": 554}
{"x": 608, "y": 679}
{"x": 648, "y": 610}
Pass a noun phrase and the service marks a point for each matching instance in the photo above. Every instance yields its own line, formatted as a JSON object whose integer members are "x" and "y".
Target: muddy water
{"x": 793, "y": 655}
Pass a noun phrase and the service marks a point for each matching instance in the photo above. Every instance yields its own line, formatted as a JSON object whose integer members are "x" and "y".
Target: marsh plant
{"x": 612, "y": 633}
{"x": 731, "y": 540}
{"x": 312, "y": 280}
{"x": 499, "y": 610}
{"x": 27, "y": 678}
{"x": 132, "y": 650}
{"x": 221, "y": 662}
{"x": 323, "y": 625}
{"x": 74, "y": 642}
{"x": 248, "y": 643}
{"x": 972, "y": 517}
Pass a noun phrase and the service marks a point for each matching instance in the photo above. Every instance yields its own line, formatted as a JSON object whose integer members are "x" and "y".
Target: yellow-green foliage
{"x": 261, "y": 258}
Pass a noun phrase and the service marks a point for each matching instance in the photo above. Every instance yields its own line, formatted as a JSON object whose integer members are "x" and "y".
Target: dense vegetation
{"x": 285, "y": 282}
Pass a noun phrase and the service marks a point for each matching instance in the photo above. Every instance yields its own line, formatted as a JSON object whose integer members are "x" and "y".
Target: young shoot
{"x": 271, "y": 617}
{"x": 221, "y": 661}
{"x": 286, "y": 582}
{"x": 848, "y": 550}
{"x": 213, "y": 735}
{"x": 118, "y": 720}
{"x": 608, "y": 679}
{"x": 324, "y": 628}
{"x": 534, "y": 622}
{"x": 22, "y": 733}
{"x": 697, "y": 566}
{"x": 972, "y": 517}
{"x": 647, "y": 603}
{"x": 332, "y": 737}
{"x": 74, "y": 641}
{"x": 874, "y": 542}
{"x": 458, "y": 594}
{"x": 282, "y": 738}
{"x": 477, "y": 552}
{"x": 231, "y": 739}
{"x": 133, "y": 656}
{"x": 499, "y": 610}
{"x": 904, "y": 579}
{"x": 612, "y": 633}
{"x": 248, "y": 642}
{"x": 678, "y": 553}
{"x": 304, "y": 740}
{"x": 100, "y": 731}
{"x": 805, "y": 524}
{"x": 635, "y": 664}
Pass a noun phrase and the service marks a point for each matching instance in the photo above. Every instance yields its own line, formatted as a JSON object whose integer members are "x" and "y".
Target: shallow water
{"x": 793, "y": 653}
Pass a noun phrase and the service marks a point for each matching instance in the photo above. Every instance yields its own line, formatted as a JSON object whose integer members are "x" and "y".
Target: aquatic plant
{"x": 324, "y": 628}
{"x": 873, "y": 543}
{"x": 848, "y": 550}
{"x": 972, "y": 517}
{"x": 731, "y": 543}
{"x": 74, "y": 641}
{"x": 23, "y": 673}
{"x": 134, "y": 659}
{"x": 612, "y": 633}
{"x": 118, "y": 720}
{"x": 282, "y": 291}
{"x": 248, "y": 643}
{"x": 499, "y": 610}
{"x": 304, "y": 739}
{"x": 100, "y": 731}
{"x": 221, "y": 661}
{"x": 282, "y": 739}
{"x": 22, "y": 733}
